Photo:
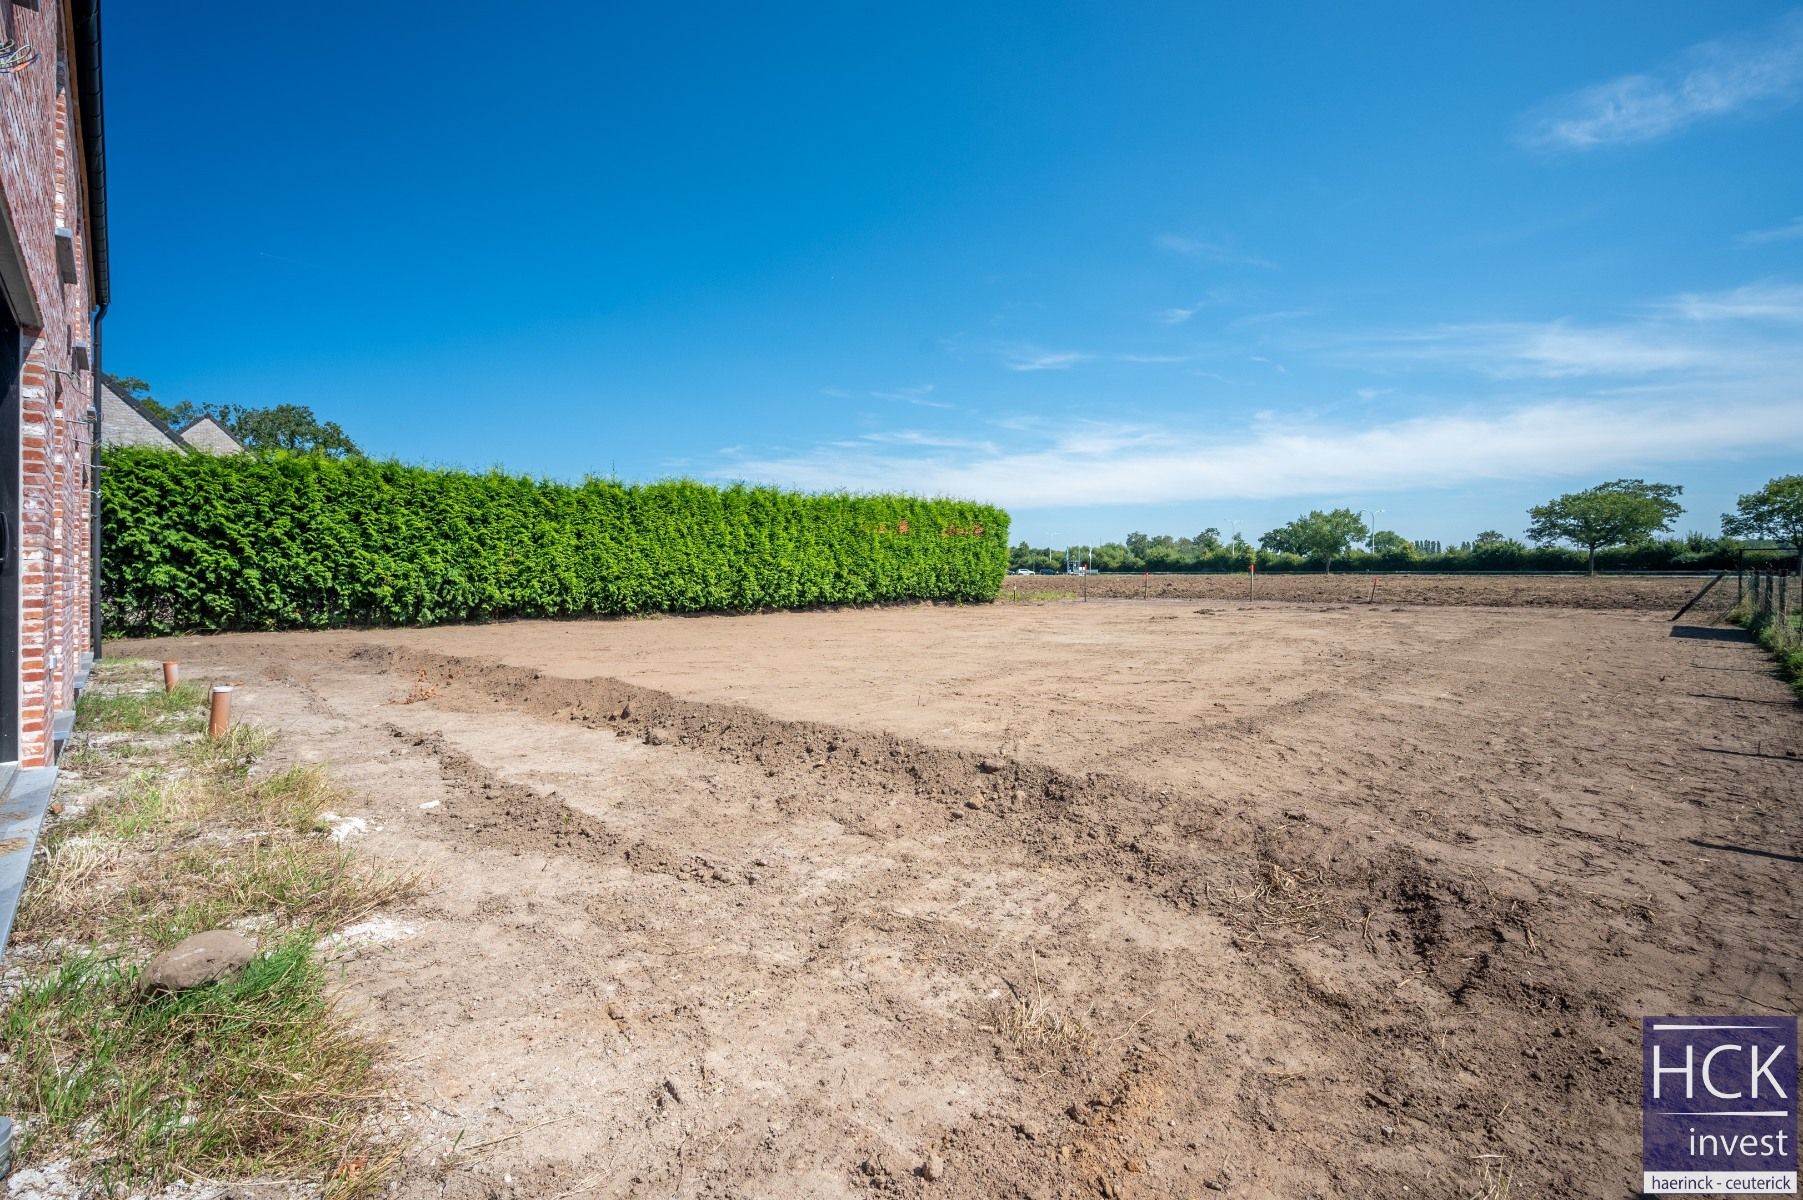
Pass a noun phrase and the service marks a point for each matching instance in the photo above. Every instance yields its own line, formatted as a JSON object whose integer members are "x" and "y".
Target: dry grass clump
{"x": 1281, "y": 904}
{"x": 174, "y": 852}
{"x": 256, "y": 1075}
{"x": 1038, "y": 1025}
{"x": 1494, "y": 1183}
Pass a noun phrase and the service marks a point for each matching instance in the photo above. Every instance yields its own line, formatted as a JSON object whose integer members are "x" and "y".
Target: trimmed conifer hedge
{"x": 198, "y": 543}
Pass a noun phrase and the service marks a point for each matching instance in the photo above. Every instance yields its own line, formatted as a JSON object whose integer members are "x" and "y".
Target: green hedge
{"x": 193, "y": 543}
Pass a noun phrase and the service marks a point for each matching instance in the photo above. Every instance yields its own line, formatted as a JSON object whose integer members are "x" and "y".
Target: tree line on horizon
{"x": 1613, "y": 525}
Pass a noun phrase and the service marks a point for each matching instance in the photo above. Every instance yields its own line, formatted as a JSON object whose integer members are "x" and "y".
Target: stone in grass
{"x": 191, "y": 962}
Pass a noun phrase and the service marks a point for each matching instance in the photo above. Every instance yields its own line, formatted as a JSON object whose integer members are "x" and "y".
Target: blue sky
{"x": 1114, "y": 266}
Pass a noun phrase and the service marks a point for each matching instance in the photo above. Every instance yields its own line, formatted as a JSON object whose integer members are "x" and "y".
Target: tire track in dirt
{"x": 1104, "y": 827}
{"x": 1465, "y": 942}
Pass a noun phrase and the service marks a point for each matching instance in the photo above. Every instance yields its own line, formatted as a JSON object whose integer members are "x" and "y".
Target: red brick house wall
{"x": 44, "y": 181}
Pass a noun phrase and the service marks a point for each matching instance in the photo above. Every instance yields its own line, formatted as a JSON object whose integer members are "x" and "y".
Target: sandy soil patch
{"x": 1135, "y": 900}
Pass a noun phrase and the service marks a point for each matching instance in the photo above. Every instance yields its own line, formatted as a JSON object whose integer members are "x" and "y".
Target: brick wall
{"x": 41, "y": 177}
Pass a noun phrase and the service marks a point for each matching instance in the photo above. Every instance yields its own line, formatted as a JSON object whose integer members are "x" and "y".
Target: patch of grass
{"x": 235, "y": 753}
{"x": 305, "y": 883}
{"x": 106, "y": 711}
{"x": 169, "y": 856}
{"x": 142, "y": 807}
{"x": 1784, "y": 640}
{"x": 114, "y": 754}
{"x": 1008, "y": 597}
{"x": 253, "y": 1075}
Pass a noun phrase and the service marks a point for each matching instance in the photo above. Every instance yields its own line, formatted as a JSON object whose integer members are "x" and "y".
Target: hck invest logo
{"x": 1720, "y": 1108}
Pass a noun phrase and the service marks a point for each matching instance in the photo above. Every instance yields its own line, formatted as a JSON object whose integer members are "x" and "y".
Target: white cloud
{"x": 1101, "y": 464}
{"x": 1791, "y": 231}
{"x": 1215, "y": 252}
{"x": 1269, "y": 318}
{"x": 1177, "y": 316}
{"x": 1032, "y": 358}
{"x": 1561, "y": 351}
{"x": 919, "y": 394}
{"x": 915, "y": 437}
{"x": 1713, "y": 79}
{"x": 1692, "y": 377}
{"x": 1754, "y": 302}
{"x": 1731, "y": 332}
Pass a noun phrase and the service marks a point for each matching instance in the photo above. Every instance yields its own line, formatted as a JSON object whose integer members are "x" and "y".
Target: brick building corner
{"x": 54, "y": 287}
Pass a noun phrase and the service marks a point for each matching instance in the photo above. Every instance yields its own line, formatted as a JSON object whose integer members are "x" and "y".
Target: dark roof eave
{"x": 93, "y": 140}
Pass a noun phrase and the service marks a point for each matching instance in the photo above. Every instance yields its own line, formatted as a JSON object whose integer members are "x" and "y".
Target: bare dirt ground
{"x": 1109, "y": 899}
{"x": 1649, "y": 593}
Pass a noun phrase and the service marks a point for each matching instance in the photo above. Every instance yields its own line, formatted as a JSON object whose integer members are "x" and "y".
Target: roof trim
{"x": 86, "y": 14}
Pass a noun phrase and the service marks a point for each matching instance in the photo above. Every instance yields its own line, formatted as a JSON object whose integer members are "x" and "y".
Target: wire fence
{"x": 1770, "y": 601}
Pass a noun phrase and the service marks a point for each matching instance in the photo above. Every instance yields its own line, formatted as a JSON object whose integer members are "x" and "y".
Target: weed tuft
{"x": 253, "y": 1075}
{"x": 184, "y": 709}
{"x": 256, "y": 1074}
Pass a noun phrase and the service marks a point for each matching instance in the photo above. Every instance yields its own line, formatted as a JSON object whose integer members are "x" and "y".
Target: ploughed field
{"x": 1133, "y": 900}
{"x": 1650, "y": 593}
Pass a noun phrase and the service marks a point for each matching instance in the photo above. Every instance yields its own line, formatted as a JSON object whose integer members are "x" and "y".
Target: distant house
{"x": 125, "y": 422}
{"x": 210, "y": 436}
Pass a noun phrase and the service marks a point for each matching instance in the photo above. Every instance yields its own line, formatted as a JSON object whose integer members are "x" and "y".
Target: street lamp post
{"x": 1371, "y": 526}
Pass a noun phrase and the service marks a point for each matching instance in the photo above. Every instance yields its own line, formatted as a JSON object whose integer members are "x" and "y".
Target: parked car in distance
{"x": 1023, "y": 570}
{"x": 1050, "y": 571}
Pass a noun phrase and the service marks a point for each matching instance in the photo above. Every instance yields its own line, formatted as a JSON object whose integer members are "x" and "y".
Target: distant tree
{"x": 1775, "y": 511}
{"x": 279, "y": 427}
{"x": 1624, "y": 512}
{"x": 1209, "y": 540}
{"x": 1387, "y": 543}
{"x": 1489, "y": 537}
{"x": 1493, "y": 552}
{"x": 1110, "y": 556}
{"x": 127, "y": 385}
{"x": 285, "y": 427}
{"x": 1322, "y": 536}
